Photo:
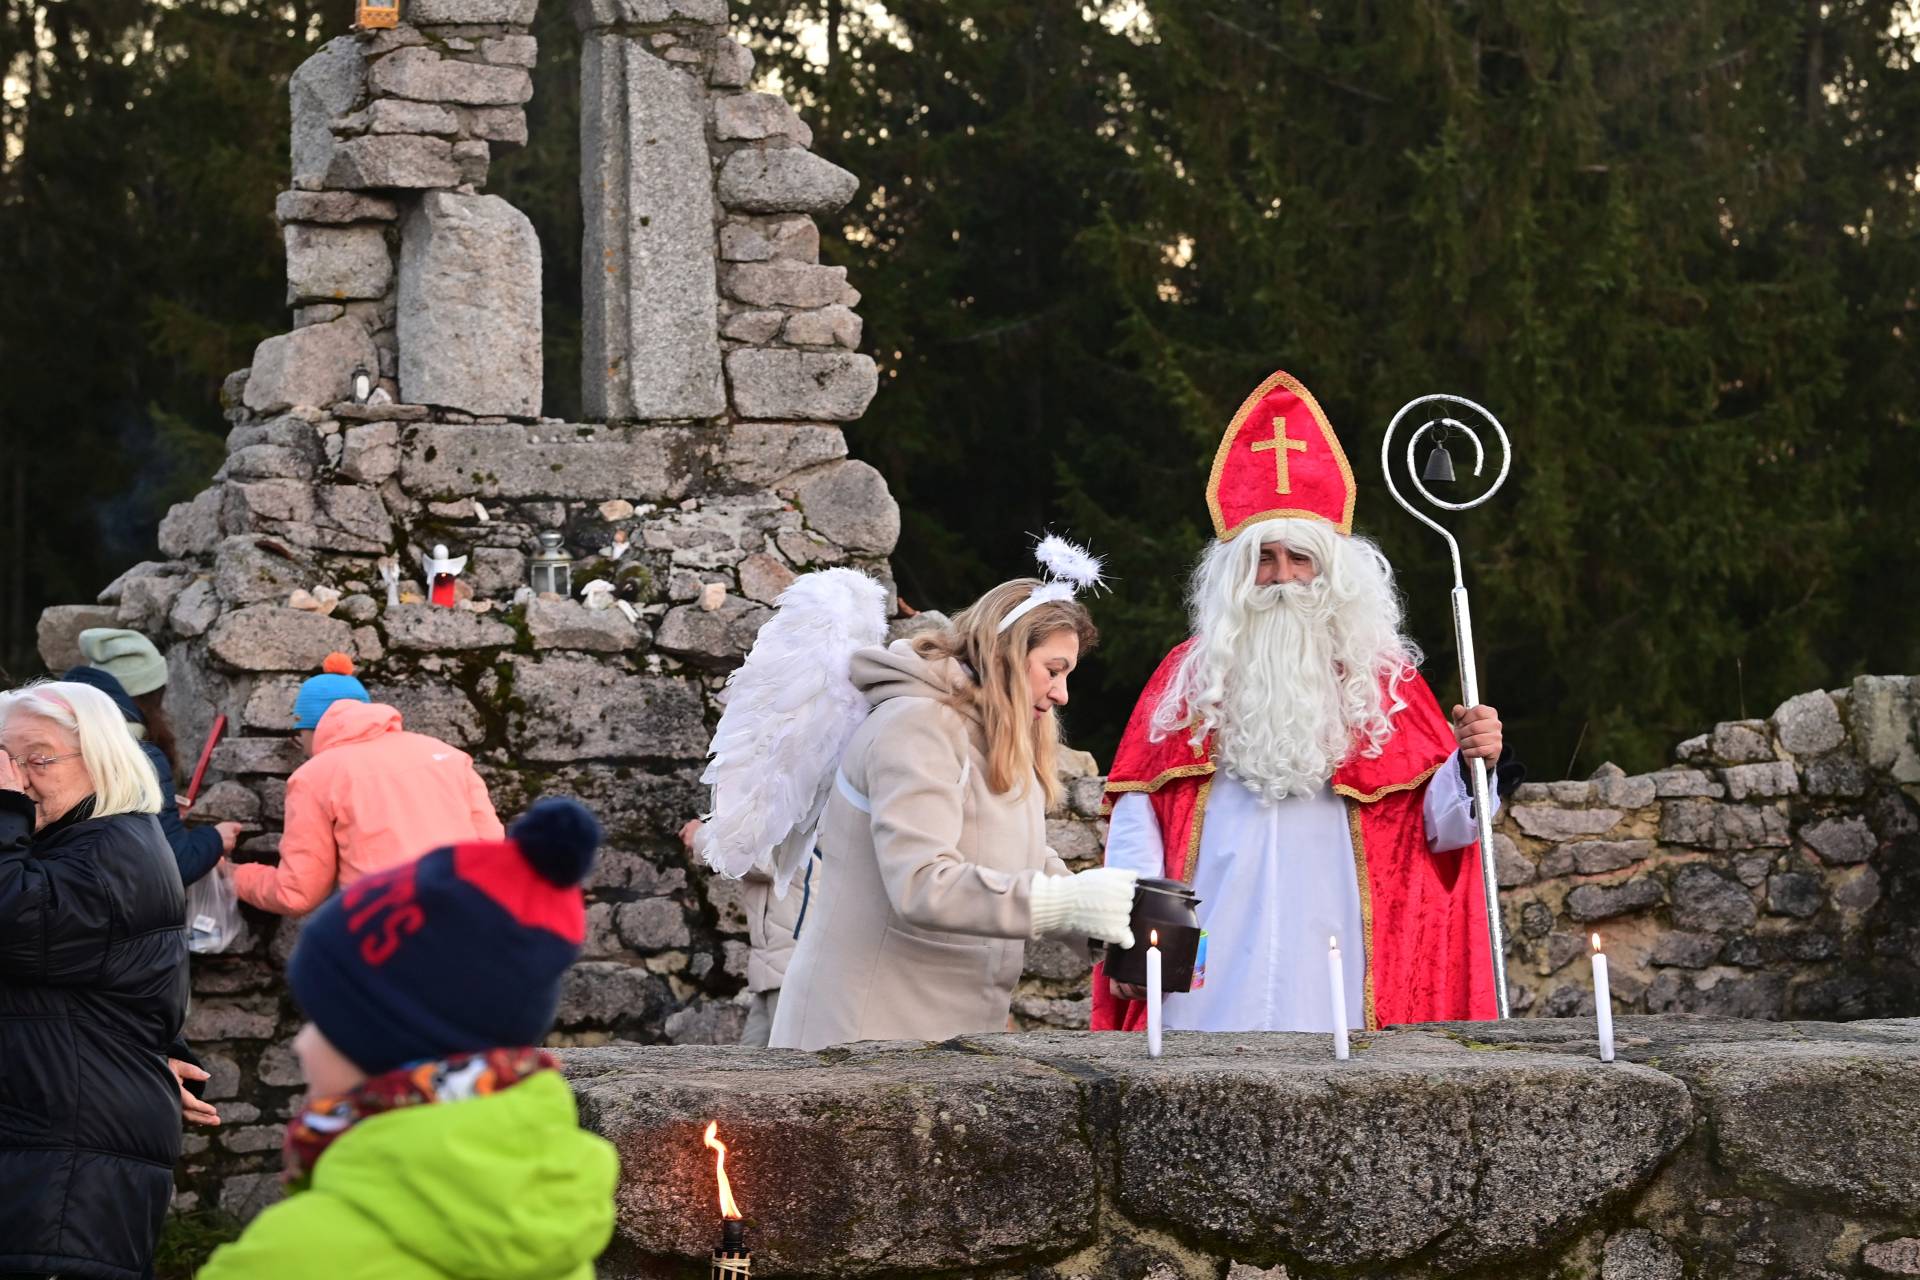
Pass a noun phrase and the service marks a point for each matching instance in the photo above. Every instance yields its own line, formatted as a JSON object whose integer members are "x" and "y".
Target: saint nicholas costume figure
{"x": 1289, "y": 764}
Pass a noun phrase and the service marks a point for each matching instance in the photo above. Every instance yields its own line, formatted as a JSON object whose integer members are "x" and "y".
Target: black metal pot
{"x": 1165, "y": 907}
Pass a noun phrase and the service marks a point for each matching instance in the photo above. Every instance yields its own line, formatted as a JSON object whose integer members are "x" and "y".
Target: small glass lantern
{"x": 552, "y": 568}
{"x": 377, "y": 15}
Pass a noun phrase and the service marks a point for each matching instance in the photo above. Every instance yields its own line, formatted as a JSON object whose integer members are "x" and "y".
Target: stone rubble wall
{"x": 1712, "y": 1148}
{"x": 1772, "y": 872}
{"x": 720, "y": 364}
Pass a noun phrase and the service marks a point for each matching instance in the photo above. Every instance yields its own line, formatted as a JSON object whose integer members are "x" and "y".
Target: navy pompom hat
{"x": 460, "y": 951}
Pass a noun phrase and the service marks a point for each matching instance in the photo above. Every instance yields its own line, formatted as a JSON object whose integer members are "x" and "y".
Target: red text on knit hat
{"x": 384, "y": 908}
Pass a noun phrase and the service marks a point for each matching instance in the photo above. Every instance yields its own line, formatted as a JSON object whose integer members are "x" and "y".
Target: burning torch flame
{"x": 728, "y": 1209}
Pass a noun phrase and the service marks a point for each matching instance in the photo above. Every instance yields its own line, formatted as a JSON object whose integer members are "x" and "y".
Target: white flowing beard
{"x": 1288, "y": 677}
{"x": 1283, "y": 728}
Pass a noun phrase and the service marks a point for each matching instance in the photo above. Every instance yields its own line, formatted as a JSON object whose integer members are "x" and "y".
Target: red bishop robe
{"x": 1422, "y": 913}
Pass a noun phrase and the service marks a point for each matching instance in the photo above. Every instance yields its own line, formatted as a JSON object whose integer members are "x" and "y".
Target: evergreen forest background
{"x": 1672, "y": 246}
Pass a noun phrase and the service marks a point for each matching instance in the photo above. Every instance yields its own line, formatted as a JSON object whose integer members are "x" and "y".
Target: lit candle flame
{"x": 1596, "y": 942}
{"x": 728, "y": 1209}
{"x": 1333, "y": 944}
{"x": 1153, "y": 937}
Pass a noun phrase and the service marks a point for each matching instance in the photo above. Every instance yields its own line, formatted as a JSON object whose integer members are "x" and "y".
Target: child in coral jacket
{"x": 372, "y": 796}
{"x": 437, "y": 1139}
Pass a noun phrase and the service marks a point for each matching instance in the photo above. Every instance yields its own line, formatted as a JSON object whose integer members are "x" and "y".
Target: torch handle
{"x": 206, "y": 755}
{"x": 1482, "y": 804}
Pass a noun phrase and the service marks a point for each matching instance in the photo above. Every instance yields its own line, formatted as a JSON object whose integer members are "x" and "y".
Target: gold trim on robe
{"x": 1369, "y": 797}
{"x": 1371, "y": 1019}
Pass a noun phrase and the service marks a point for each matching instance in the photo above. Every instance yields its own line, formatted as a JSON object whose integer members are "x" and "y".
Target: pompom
{"x": 337, "y": 664}
{"x": 1068, "y": 562}
{"x": 558, "y": 838}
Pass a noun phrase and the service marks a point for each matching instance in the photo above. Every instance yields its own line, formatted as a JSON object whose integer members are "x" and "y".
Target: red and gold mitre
{"x": 1279, "y": 458}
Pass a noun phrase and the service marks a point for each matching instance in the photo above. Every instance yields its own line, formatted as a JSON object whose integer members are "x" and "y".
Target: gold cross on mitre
{"x": 1280, "y": 446}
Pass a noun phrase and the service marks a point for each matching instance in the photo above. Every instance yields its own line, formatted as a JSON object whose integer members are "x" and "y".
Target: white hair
{"x": 1290, "y": 678}
{"x": 123, "y": 780}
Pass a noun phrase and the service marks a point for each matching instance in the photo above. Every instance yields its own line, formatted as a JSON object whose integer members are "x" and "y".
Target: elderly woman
{"x": 93, "y": 989}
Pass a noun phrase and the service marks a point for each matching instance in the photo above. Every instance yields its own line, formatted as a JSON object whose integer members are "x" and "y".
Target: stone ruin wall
{"x": 1772, "y": 872}
{"x": 719, "y": 362}
{"x": 1769, "y": 874}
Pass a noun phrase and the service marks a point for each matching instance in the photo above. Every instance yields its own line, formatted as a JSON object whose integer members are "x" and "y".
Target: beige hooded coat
{"x": 771, "y": 924}
{"x": 923, "y": 904}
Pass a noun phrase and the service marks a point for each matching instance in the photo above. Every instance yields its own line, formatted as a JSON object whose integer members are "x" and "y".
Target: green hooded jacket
{"x": 502, "y": 1187}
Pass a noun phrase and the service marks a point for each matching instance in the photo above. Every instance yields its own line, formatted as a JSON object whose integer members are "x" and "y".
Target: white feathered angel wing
{"x": 791, "y": 708}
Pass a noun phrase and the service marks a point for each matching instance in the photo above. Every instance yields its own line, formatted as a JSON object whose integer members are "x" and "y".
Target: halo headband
{"x": 1069, "y": 568}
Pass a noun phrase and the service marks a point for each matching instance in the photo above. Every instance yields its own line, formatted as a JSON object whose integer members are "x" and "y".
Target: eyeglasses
{"x": 40, "y": 764}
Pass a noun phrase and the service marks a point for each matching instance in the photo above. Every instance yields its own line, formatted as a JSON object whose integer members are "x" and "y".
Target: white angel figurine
{"x": 390, "y": 574}
{"x": 441, "y": 570}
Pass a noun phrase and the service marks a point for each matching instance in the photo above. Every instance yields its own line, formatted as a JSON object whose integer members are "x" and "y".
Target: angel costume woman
{"x": 930, "y": 820}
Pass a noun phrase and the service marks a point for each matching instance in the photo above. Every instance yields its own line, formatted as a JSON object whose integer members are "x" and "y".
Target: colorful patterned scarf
{"x": 455, "y": 1079}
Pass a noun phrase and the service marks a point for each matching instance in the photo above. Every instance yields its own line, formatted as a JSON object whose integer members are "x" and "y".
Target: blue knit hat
{"x": 317, "y": 693}
{"x": 460, "y": 951}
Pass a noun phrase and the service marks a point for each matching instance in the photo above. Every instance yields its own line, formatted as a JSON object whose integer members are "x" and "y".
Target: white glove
{"x": 1096, "y": 903}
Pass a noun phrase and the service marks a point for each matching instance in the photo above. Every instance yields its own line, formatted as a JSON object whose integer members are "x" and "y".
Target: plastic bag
{"x": 214, "y": 922}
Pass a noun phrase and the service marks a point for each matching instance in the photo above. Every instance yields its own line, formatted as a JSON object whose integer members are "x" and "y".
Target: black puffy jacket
{"x": 93, "y": 988}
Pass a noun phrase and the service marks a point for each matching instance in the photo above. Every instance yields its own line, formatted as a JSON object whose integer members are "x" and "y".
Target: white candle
{"x": 1602, "y": 1000}
{"x": 1337, "y": 988}
{"x": 1153, "y": 994}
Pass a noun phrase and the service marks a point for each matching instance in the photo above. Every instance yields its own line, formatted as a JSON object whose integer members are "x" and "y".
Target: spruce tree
{"x": 144, "y": 145}
{"x": 1671, "y": 248}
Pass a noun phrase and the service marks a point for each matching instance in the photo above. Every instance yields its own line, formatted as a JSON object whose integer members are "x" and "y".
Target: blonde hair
{"x": 123, "y": 780}
{"x": 1020, "y": 745}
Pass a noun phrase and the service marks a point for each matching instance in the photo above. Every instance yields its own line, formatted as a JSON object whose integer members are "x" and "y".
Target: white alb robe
{"x": 1275, "y": 881}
